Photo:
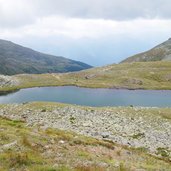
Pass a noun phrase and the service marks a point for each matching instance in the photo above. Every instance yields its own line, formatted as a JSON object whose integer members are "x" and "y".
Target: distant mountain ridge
{"x": 161, "y": 52}
{"x": 16, "y": 59}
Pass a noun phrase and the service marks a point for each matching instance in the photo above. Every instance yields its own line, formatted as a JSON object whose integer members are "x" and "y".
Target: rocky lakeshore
{"x": 148, "y": 129}
{"x": 8, "y": 81}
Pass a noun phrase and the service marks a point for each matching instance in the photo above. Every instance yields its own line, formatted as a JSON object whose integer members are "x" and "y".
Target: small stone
{"x": 95, "y": 134}
{"x": 61, "y": 142}
{"x": 117, "y": 164}
{"x": 46, "y": 146}
{"x": 105, "y": 134}
{"x": 52, "y": 141}
{"x": 87, "y": 124}
{"x": 128, "y": 152}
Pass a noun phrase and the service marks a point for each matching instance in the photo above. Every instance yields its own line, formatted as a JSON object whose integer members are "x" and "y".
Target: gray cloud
{"x": 48, "y": 26}
{"x": 16, "y": 13}
{"x": 22, "y": 12}
{"x": 108, "y": 9}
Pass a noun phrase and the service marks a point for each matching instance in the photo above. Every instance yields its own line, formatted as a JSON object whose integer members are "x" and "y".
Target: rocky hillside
{"x": 15, "y": 59}
{"x": 161, "y": 52}
{"x": 40, "y": 136}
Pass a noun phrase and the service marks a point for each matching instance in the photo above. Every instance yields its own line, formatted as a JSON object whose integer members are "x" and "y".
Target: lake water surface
{"x": 91, "y": 97}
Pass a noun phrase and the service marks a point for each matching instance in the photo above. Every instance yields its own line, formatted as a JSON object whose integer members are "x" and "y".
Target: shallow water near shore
{"x": 91, "y": 97}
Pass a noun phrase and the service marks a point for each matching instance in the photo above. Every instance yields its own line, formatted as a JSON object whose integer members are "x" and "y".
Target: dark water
{"x": 91, "y": 97}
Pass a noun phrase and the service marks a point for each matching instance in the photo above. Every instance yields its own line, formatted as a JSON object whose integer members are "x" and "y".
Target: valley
{"x": 85, "y": 85}
{"x": 69, "y": 137}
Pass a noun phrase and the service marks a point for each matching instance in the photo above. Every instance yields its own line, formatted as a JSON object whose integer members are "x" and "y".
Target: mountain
{"x": 161, "y": 52}
{"x": 16, "y": 59}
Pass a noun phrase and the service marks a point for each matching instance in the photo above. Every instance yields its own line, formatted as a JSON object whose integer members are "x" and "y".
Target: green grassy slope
{"x": 143, "y": 75}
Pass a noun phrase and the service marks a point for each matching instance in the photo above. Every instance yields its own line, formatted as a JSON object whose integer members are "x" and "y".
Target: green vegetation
{"x": 34, "y": 149}
{"x": 37, "y": 148}
{"x": 72, "y": 119}
{"x": 164, "y": 152}
{"x": 15, "y": 59}
{"x": 144, "y": 75}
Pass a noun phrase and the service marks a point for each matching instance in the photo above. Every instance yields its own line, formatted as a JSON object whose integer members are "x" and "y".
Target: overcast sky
{"x": 97, "y": 32}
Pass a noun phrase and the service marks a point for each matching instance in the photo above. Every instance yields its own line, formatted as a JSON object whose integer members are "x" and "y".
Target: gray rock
{"x": 105, "y": 134}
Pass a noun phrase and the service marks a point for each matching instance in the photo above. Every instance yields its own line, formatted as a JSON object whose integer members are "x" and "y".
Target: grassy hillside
{"x": 15, "y": 59}
{"x": 161, "y": 52}
{"x": 36, "y": 147}
{"x": 151, "y": 75}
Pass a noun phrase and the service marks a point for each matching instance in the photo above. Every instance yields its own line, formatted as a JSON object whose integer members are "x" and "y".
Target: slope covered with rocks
{"x": 38, "y": 148}
{"x": 144, "y": 128}
{"x": 8, "y": 81}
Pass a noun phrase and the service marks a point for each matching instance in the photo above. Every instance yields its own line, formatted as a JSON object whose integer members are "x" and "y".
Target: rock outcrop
{"x": 8, "y": 81}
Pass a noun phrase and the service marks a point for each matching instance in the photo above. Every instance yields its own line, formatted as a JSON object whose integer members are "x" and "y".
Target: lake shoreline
{"x": 11, "y": 90}
{"x": 99, "y": 97}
